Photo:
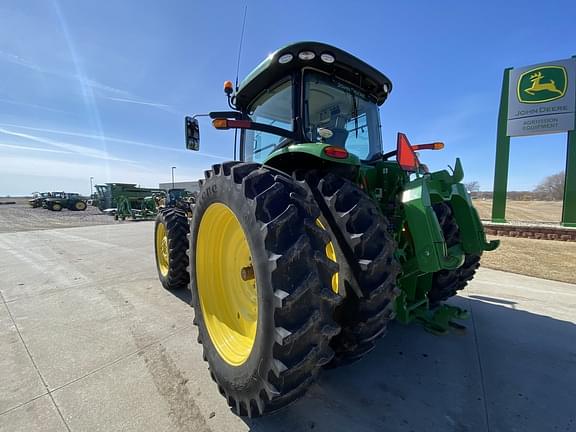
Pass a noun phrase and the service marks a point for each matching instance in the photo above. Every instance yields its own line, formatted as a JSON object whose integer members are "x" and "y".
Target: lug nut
{"x": 247, "y": 273}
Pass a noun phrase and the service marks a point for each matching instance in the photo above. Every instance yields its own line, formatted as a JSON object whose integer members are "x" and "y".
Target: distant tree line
{"x": 549, "y": 189}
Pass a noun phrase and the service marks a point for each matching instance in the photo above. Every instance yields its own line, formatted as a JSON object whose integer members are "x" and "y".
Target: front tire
{"x": 170, "y": 247}
{"x": 260, "y": 283}
{"x": 55, "y": 207}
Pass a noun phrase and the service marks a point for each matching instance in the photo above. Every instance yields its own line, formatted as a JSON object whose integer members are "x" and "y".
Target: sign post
{"x": 569, "y": 206}
{"x": 502, "y": 156}
{"x": 535, "y": 100}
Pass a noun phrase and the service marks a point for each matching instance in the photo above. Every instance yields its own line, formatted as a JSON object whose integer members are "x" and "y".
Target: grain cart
{"x": 301, "y": 252}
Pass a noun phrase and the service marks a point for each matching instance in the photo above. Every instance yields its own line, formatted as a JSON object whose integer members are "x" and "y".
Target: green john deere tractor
{"x": 59, "y": 200}
{"x": 301, "y": 253}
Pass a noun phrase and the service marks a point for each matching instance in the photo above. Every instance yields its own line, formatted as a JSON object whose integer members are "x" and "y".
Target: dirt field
{"x": 525, "y": 211}
{"x": 22, "y": 217}
{"x": 547, "y": 259}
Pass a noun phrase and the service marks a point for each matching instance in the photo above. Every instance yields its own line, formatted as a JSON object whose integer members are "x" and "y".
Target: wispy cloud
{"x": 34, "y": 149}
{"x": 110, "y": 139}
{"x": 66, "y": 147}
{"x": 161, "y": 106}
{"x": 18, "y": 60}
{"x": 54, "y": 167}
{"x": 31, "y": 105}
{"x": 101, "y": 90}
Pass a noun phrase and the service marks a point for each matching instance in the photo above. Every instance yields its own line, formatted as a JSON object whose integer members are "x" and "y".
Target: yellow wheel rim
{"x": 162, "y": 256}
{"x": 226, "y": 284}
{"x": 331, "y": 254}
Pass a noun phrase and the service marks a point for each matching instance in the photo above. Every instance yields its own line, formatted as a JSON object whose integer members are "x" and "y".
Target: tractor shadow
{"x": 182, "y": 294}
{"x": 511, "y": 369}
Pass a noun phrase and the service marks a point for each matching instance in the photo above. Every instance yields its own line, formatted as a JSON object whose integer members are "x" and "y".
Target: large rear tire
{"x": 447, "y": 283}
{"x": 261, "y": 286}
{"x": 368, "y": 268}
{"x": 170, "y": 247}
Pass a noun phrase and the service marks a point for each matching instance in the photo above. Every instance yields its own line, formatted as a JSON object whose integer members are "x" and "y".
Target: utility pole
{"x": 173, "y": 168}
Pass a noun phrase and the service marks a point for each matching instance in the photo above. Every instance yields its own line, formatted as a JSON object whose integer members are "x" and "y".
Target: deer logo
{"x": 542, "y": 84}
{"x": 537, "y": 86}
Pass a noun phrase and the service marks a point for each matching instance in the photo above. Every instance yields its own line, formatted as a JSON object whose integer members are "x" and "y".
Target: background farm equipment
{"x": 125, "y": 208}
{"x": 126, "y": 200}
{"x": 38, "y": 199}
{"x": 59, "y": 200}
{"x": 302, "y": 252}
{"x": 177, "y": 198}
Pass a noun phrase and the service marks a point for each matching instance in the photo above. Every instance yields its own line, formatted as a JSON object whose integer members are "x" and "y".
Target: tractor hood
{"x": 326, "y": 58}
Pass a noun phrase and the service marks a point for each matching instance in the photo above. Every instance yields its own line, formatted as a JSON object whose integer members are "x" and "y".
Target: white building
{"x": 191, "y": 186}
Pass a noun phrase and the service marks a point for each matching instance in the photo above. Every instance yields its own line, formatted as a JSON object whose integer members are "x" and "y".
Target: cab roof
{"x": 345, "y": 67}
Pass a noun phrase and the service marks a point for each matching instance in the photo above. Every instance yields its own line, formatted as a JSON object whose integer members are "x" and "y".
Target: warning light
{"x": 228, "y": 87}
{"x": 335, "y": 152}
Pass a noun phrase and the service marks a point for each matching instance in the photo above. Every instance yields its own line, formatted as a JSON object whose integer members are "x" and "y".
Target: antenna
{"x": 240, "y": 46}
{"x": 238, "y": 68}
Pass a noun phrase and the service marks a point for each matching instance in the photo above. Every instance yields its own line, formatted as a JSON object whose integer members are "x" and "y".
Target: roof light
{"x": 228, "y": 87}
{"x": 386, "y": 88}
{"x": 286, "y": 58}
{"x": 327, "y": 58}
{"x": 336, "y": 152}
{"x": 306, "y": 55}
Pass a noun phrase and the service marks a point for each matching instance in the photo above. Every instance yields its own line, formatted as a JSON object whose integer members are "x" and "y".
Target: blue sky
{"x": 101, "y": 88}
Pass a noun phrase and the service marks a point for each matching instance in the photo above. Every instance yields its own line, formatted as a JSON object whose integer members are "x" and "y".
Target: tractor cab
{"x": 306, "y": 100}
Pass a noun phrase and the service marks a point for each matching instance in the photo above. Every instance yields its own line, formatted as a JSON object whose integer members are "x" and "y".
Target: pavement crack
{"x": 33, "y": 362}
{"x": 23, "y": 404}
{"x": 482, "y": 385}
{"x": 119, "y": 359}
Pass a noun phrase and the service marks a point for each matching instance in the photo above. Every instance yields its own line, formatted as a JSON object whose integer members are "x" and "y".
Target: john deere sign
{"x": 536, "y": 100}
{"x": 541, "y": 98}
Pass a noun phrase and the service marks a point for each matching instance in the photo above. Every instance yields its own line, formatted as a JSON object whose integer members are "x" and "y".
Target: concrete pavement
{"x": 89, "y": 341}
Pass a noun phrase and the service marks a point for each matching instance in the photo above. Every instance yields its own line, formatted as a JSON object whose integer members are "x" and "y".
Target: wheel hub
{"x": 162, "y": 255}
{"x": 226, "y": 284}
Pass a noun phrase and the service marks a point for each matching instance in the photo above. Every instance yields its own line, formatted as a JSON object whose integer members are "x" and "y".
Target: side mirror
{"x": 192, "y": 134}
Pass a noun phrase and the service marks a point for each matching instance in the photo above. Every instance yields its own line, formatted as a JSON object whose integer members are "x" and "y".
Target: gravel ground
{"x": 22, "y": 217}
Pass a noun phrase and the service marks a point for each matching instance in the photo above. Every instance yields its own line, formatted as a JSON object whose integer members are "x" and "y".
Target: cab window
{"x": 273, "y": 108}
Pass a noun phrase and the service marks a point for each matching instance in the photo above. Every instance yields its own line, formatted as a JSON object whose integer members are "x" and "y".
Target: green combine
{"x": 300, "y": 254}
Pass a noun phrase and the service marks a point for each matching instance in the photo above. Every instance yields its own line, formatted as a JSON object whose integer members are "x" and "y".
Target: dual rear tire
{"x": 365, "y": 254}
{"x": 287, "y": 275}
{"x": 447, "y": 283}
